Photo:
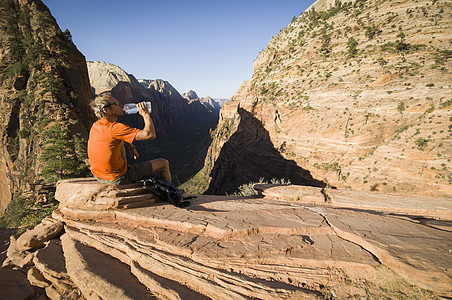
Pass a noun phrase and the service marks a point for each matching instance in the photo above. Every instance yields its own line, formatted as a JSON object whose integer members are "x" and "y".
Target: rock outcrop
{"x": 209, "y": 103}
{"x": 295, "y": 242}
{"x": 44, "y": 84}
{"x": 104, "y": 77}
{"x": 190, "y": 95}
{"x": 357, "y": 93}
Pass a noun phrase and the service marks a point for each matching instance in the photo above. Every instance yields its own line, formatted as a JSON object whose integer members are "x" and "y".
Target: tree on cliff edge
{"x": 63, "y": 155}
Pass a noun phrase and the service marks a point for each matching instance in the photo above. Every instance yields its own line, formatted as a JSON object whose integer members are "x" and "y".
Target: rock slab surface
{"x": 293, "y": 243}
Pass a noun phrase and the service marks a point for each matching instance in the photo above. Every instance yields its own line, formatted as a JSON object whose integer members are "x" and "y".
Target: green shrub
{"x": 372, "y": 31}
{"x": 22, "y": 213}
{"x": 381, "y": 61}
{"x": 446, "y": 103}
{"x": 429, "y": 110}
{"x": 441, "y": 56}
{"x": 352, "y": 47}
{"x": 421, "y": 143}
{"x": 402, "y": 129}
{"x": 402, "y": 46}
{"x": 247, "y": 190}
{"x": 401, "y": 107}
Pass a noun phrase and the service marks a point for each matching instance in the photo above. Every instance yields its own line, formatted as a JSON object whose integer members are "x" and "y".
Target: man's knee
{"x": 160, "y": 164}
{"x": 164, "y": 163}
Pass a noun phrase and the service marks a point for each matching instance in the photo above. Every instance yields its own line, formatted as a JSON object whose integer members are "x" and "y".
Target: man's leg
{"x": 161, "y": 166}
{"x": 139, "y": 171}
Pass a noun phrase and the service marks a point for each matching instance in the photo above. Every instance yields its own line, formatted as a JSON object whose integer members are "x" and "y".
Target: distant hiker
{"x": 107, "y": 137}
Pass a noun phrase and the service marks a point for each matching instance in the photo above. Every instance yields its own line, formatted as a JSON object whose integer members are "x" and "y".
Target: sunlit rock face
{"x": 291, "y": 242}
{"x": 357, "y": 94}
{"x": 104, "y": 76}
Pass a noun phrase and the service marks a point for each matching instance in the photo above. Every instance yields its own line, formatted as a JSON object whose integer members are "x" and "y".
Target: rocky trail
{"x": 292, "y": 242}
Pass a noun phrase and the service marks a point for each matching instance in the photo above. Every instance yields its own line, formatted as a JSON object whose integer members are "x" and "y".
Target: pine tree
{"x": 14, "y": 37}
{"x": 63, "y": 154}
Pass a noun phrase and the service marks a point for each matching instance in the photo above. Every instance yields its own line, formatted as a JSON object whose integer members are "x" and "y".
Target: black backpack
{"x": 166, "y": 191}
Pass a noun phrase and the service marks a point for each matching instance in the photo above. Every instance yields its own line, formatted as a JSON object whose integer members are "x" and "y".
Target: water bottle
{"x": 131, "y": 108}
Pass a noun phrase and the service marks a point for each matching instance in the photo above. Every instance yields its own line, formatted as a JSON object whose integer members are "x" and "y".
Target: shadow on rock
{"x": 249, "y": 155}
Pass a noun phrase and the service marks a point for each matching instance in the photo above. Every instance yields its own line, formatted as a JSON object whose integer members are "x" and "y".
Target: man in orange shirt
{"x": 106, "y": 143}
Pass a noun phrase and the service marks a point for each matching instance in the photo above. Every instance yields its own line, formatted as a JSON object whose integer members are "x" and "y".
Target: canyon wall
{"x": 44, "y": 86}
{"x": 352, "y": 95}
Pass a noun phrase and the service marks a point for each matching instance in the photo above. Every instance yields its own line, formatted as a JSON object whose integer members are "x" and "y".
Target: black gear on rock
{"x": 166, "y": 191}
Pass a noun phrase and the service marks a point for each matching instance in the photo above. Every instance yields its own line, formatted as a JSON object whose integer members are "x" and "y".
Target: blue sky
{"x": 205, "y": 46}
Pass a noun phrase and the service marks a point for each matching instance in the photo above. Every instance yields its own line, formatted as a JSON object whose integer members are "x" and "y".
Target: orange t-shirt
{"x": 104, "y": 148}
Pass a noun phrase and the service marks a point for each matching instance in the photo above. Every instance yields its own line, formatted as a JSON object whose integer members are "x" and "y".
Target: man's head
{"x": 104, "y": 105}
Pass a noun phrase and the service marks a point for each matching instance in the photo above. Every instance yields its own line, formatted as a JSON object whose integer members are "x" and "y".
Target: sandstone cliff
{"x": 110, "y": 242}
{"x": 355, "y": 95}
{"x": 182, "y": 126}
{"x": 44, "y": 89}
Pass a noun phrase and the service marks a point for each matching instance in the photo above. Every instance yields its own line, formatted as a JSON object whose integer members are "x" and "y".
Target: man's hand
{"x": 148, "y": 132}
{"x": 133, "y": 150}
{"x": 134, "y": 153}
{"x": 143, "y": 109}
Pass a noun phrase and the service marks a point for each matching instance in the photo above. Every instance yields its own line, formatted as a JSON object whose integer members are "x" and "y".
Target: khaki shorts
{"x": 135, "y": 172}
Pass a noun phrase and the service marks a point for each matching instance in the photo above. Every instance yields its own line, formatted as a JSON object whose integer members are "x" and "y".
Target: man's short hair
{"x": 99, "y": 103}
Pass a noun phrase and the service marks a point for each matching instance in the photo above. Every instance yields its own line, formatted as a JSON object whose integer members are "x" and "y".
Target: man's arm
{"x": 148, "y": 132}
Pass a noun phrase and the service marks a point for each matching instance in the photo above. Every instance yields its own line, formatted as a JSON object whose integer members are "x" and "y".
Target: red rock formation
{"x": 296, "y": 243}
{"x": 358, "y": 95}
{"x": 44, "y": 81}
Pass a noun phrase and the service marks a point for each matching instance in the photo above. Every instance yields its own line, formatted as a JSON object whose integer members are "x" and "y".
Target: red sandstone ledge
{"x": 295, "y": 243}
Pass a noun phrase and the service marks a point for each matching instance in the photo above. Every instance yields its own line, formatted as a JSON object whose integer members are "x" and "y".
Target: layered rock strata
{"x": 357, "y": 93}
{"x": 294, "y": 243}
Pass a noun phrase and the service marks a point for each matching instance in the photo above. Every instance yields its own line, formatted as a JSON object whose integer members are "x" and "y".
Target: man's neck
{"x": 111, "y": 118}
